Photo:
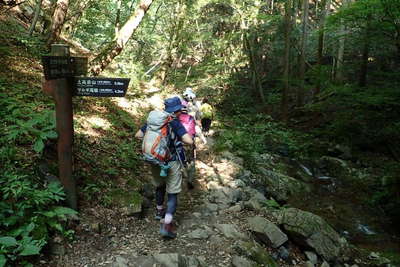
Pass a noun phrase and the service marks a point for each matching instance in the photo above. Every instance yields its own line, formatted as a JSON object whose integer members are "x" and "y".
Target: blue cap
{"x": 173, "y": 104}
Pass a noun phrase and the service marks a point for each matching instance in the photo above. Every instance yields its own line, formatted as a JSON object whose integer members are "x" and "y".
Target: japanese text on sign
{"x": 111, "y": 87}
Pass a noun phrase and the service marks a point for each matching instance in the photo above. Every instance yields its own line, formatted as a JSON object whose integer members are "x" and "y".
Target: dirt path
{"x": 103, "y": 234}
{"x": 104, "y": 237}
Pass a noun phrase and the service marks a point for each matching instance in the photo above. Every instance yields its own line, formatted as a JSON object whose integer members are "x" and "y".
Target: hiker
{"x": 170, "y": 165}
{"x": 192, "y": 106}
{"x": 207, "y": 114}
{"x": 193, "y": 109}
{"x": 189, "y": 171}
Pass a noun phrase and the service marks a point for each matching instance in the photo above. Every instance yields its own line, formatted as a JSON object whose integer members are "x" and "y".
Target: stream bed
{"x": 346, "y": 205}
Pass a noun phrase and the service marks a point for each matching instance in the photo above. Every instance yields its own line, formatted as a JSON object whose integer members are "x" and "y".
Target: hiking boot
{"x": 167, "y": 230}
{"x": 159, "y": 214}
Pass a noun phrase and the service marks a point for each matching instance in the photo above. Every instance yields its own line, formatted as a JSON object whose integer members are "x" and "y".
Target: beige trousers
{"x": 174, "y": 179}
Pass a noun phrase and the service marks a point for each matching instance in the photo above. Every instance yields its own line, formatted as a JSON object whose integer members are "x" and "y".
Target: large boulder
{"x": 266, "y": 231}
{"x": 231, "y": 231}
{"x": 281, "y": 186}
{"x": 312, "y": 231}
{"x": 227, "y": 168}
{"x": 225, "y": 195}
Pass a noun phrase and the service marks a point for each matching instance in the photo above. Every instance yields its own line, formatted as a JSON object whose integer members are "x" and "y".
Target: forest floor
{"x": 106, "y": 237}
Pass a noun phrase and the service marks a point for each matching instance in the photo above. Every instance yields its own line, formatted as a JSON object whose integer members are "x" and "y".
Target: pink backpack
{"x": 188, "y": 122}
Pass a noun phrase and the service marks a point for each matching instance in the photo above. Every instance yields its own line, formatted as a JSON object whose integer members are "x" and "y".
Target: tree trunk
{"x": 326, "y": 6}
{"x": 118, "y": 18}
{"x": 285, "y": 91}
{"x": 57, "y": 21}
{"x": 272, "y": 7}
{"x": 365, "y": 54}
{"x": 301, "y": 92}
{"x": 253, "y": 65}
{"x": 113, "y": 49}
{"x": 36, "y": 17}
{"x": 339, "y": 62}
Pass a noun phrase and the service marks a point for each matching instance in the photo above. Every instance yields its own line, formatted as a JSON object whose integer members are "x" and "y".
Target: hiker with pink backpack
{"x": 162, "y": 146}
{"x": 190, "y": 118}
{"x": 193, "y": 109}
{"x": 189, "y": 170}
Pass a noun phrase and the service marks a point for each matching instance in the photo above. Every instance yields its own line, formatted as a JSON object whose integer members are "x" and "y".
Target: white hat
{"x": 189, "y": 94}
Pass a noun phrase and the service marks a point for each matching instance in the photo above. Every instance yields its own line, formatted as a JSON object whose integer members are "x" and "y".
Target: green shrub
{"x": 24, "y": 124}
{"x": 28, "y": 215}
{"x": 260, "y": 134}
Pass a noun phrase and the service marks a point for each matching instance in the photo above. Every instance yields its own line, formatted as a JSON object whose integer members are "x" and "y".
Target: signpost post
{"x": 60, "y": 71}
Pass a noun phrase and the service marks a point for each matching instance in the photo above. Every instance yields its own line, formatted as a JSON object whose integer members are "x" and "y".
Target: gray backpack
{"x": 156, "y": 140}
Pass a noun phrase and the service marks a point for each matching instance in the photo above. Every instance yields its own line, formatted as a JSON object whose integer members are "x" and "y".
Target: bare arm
{"x": 139, "y": 134}
{"x": 187, "y": 139}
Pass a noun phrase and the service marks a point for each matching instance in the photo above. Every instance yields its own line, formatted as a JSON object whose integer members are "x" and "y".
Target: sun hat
{"x": 173, "y": 104}
{"x": 189, "y": 95}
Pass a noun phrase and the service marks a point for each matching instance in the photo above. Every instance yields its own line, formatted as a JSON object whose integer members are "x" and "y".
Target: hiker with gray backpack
{"x": 162, "y": 146}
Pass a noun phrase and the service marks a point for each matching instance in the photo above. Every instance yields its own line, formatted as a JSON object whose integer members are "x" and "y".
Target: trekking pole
{"x": 194, "y": 153}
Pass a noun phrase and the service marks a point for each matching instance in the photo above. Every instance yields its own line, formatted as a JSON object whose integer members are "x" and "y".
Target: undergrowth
{"x": 31, "y": 209}
{"x": 260, "y": 134}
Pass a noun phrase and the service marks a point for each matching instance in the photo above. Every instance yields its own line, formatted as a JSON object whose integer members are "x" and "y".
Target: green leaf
{"x": 8, "y": 241}
{"x": 30, "y": 249}
{"x": 65, "y": 211}
{"x": 3, "y": 260}
{"x": 272, "y": 203}
{"x": 10, "y": 220}
{"x": 38, "y": 146}
{"x": 13, "y": 135}
{"x": 29, "y": 227}
{"x": 56, "y": 226}
{"x": 51, "y": 134}
{"x": 49, "y": 214}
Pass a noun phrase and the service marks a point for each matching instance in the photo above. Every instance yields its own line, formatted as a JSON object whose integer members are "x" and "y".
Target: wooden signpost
{"x": 61, "y": 82}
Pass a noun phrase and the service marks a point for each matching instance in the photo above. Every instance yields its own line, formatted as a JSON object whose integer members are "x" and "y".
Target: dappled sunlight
{"x": 91, "y": 125}
{"x": 123, "y": 103}
{"x": 156, "y": 102}
{"x": 134, "y": 107}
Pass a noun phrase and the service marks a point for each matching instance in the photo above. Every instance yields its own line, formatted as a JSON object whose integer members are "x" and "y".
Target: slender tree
{"x": 118, "y": 17}
{"x": 365, "y": 53}
{"x": 285, "y": 91}
{"x": 36, "y": 17}
{"x": 340, "y": 56}
{"x": 114, "y": 48}
{"x": 57, "y": 21}
{"x": 303, "y": 46}
{"x": 256, "y": 80}
{"x": 321, "y": 35}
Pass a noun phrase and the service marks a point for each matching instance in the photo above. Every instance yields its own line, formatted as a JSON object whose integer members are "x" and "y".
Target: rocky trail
{"x": 223, "y": 221}
{"x": 211, "y": 225}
